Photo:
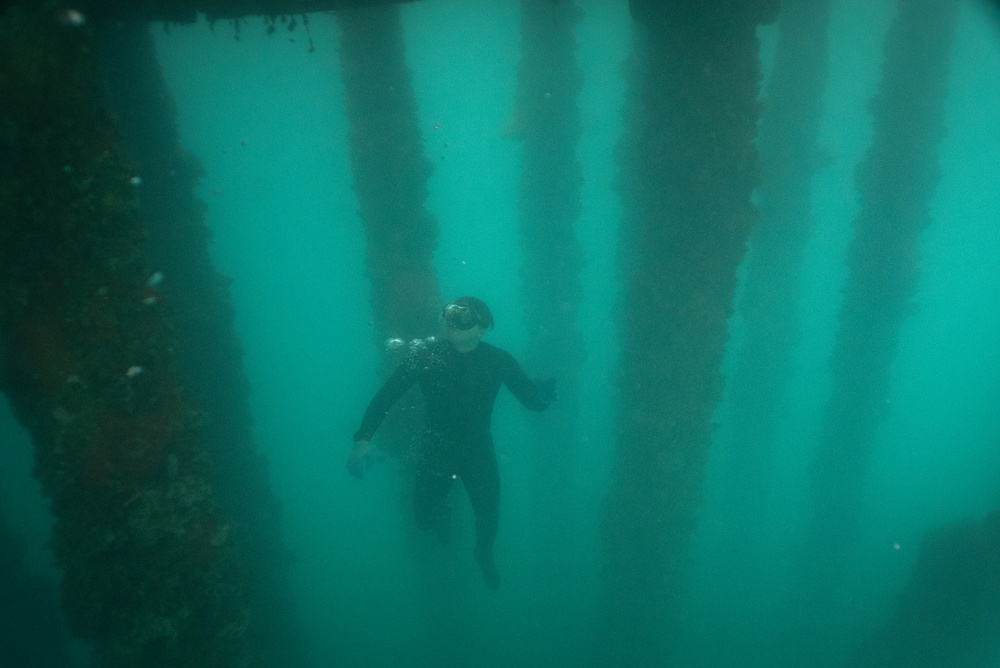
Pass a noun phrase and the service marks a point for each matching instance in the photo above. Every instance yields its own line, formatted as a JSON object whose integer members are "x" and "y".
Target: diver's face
{"x": 463, "y": 339}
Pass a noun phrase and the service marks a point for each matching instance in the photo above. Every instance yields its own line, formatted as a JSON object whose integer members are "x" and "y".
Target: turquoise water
{"x": 266, "y": 118}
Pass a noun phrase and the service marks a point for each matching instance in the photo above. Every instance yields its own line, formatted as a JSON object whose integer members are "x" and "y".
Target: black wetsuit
{"x": 459, "y": 391}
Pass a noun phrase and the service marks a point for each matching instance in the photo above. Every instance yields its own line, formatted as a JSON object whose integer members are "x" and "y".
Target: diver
{"x": 459, "y": 377}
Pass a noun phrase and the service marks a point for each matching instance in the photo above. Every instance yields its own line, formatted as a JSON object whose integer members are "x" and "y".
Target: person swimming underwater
{"x": 460, "y": 377}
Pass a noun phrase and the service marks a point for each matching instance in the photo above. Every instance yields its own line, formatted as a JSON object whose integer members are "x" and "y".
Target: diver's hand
{"x": 548, "y": 390}
{"x": 360, "y": 459}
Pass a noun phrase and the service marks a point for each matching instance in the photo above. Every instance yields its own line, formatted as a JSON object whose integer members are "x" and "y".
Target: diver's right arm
{"x": 399, "y": 382}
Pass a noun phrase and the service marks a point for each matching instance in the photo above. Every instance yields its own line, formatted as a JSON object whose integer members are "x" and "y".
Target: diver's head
{"x": 465, "y": 321}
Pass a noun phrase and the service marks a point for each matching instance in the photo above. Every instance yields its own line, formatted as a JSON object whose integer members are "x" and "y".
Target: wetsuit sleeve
{"x": 399, "y": 382}
{"x": 521, "y": 386}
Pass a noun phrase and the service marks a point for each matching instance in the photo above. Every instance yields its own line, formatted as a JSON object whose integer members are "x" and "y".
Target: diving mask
{"x": 460, "y": 316}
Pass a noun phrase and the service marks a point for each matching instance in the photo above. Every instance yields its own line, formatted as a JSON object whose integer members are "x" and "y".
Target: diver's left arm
{"x": 534, "y": 396}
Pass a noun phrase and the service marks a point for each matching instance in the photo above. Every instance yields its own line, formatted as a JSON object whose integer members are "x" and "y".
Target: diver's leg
{"x": 482, "y": 483}
{"x": 430, "y": 499}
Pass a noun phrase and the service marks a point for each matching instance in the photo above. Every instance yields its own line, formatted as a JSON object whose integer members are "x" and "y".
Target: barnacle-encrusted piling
{"x": 87, "y": 361}
{"x": 688, "y": 167}
{"x": 547, "y": 121}
{"x": 896, "y": 182}
{"x": 209, "y": 355}
{"x": 946, "y": 615}
{"x": 769, "y": 304}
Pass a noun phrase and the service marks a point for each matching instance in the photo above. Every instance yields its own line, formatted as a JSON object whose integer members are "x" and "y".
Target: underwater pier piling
{"x": 390, "y": 174}
{"x": 209, "y": 355}
{"x": 896, "y": 183}
{"x": 547, "y": 123}
{"x": 151, "y": 577}
{"x": 946, "y": 614}
{"x": 688, "y": 167}
{"x": 769, "y": 303}
{"x": 391, "y": 171}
